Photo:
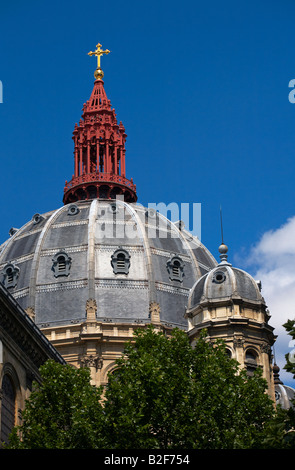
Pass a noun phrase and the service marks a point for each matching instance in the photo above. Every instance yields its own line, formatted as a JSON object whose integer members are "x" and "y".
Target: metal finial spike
{"x": 223, "y": 249}
{"x": 221, "y": 225}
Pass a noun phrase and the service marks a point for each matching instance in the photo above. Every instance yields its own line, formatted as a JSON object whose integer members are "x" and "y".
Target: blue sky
{"x": 201, "y": 87}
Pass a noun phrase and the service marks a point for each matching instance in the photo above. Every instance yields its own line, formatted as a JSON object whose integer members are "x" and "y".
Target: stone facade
{"x": 23, "y": 349}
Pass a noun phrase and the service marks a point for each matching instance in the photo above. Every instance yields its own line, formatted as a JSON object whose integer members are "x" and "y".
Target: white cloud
{"x": 273, "y": 259}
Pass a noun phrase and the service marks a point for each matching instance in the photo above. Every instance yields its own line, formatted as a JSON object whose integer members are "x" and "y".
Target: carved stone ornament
{"x": 265, "y": 348}
{"x": 31, "y": 313}
{"x": 91, "y": 309}
{"x": 91, "y": 361}
{"x": 238, "y": 342}
{"x": 154, "y": 312}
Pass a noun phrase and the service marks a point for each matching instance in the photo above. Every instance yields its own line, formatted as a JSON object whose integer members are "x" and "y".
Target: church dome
{"x": 284, "y": 394}
{"x": 223, "y": 283}
{"x": 120, "y": 254}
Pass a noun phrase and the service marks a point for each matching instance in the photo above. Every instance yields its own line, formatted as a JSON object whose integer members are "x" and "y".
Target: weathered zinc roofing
{"x": 224, "y": 282}
{"x": 89, "y": 233}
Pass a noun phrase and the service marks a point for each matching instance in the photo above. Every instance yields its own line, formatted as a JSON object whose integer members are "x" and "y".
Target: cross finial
{"x": 98, "y": 52}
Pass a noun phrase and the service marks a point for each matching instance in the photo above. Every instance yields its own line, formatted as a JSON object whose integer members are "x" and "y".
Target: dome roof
{"x": 224, "y": 282}
{"x": 284, "y": 394}
{"x": 122, "y": 255}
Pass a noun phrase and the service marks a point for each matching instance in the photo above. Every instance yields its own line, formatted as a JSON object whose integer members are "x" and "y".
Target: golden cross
{"x": 98, "y": 52}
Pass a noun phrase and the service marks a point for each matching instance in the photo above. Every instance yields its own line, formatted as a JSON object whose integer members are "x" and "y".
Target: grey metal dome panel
{"x": 58, "y": 304}
{"x": 172, "y": 312}
{"x": 82, "y": 214}
{"x": 214, "y": 290}
{"x": 45, "y": 274}
{"x": 89, "y": 236}
{"x": 60, "y": 236}
{"x": 246, "y": 286}
{"x": 123, "y": 301}
{"x": 197, "y": 292}
{"x": 25, "y": 269}
{"x": 22, "y": 246}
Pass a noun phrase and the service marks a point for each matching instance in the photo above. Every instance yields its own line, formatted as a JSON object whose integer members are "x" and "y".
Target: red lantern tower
{"x": 99, "y": 149}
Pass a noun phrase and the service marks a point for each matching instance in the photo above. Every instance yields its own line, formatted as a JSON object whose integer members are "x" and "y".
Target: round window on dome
{"x": 114, "y": 208}
{"x": 73, "y": 209}
{"x": 37, "y": 218}
{"x": 219, "y": 277}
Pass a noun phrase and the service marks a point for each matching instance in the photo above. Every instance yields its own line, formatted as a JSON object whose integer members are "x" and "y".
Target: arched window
{"x": 7, "y": 408}
{"x": 120, "y": 261}
{"x": 175, "y": 268}
{"x": 228, "y": 353}
{"x": 61, "y": 264}
{"x": 251, "y": 361}
{"x": 10, "y": 275}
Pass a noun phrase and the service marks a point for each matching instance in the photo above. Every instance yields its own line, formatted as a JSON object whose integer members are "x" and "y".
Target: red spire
{"x": 99, "y": 153}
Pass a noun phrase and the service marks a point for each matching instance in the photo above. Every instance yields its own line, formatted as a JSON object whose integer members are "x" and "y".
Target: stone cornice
{"x": 18, "y": 326}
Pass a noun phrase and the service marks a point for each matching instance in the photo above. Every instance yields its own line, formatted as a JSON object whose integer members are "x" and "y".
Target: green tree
{"x": 290, "y": 357}
{"x": 64, "y": 412}
{"x": 165, "y": 394}
{"x": 281, "y": 430}
{"x": 289, "y": 417}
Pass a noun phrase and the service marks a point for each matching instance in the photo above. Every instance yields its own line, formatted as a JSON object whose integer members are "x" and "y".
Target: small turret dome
{"x": 225, "y": 282}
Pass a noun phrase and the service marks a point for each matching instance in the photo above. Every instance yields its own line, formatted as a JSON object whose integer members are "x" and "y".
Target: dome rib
{"x": 187, "y": 247}
{"x": 36, "y": 258}
{"x": 6, "y": 245}
{"x": 147, "y": 253}
{"x": 92, "y": 217}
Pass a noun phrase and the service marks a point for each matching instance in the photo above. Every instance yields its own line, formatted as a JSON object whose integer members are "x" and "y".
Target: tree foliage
{"x": 280, "y": 431}
{"x": 64, "y": 412}
{"x": 290, "y": 357}
{"x": 163, "y": 394}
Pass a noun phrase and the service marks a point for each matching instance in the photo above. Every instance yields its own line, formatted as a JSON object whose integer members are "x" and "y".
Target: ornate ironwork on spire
{"x": 99, "y": 154}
